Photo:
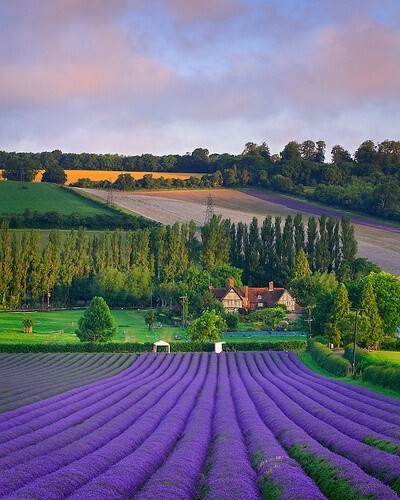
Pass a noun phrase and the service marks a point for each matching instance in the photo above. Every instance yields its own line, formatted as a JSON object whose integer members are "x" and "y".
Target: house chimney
{"x": 271, "y": 286}
{"x": 246, "y": 292}
{"x": 232, "y": 282}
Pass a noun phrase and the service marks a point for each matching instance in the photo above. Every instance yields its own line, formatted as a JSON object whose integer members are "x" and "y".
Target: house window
{"x": 260, "y": 304}
{"x": 259, "y": 297}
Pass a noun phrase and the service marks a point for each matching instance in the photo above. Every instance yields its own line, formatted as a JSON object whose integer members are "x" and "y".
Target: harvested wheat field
{"x": 111, "y": 175}
{"x": 379, "y": 242}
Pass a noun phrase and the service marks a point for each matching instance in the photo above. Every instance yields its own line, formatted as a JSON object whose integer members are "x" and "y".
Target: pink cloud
{"x": 205, "y": 9}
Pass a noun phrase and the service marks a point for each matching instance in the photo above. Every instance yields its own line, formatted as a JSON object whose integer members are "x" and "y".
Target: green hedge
{"x": 292, "y": 345}
{"x": 328, "y": 360}
{"x": 383, "y": 373}
{"x": 363, "y": 359}
{"x": 390, "y": 345}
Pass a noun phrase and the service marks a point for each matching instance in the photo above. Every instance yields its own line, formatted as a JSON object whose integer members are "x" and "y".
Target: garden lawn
{"x": 60, "y": 326}
{"x": 392, "y": 356}
{"x": 44, "y": 197}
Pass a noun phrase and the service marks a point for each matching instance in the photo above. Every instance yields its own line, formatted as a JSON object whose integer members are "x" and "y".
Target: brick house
{"x": 248, "y": 298}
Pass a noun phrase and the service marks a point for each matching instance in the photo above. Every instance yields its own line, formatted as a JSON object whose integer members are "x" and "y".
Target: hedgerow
{"x": 328, "y": 360}
{"x": 289, "y": 345}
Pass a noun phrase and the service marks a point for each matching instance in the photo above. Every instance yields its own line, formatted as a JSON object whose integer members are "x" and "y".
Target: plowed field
{"x": 379, "y": 242}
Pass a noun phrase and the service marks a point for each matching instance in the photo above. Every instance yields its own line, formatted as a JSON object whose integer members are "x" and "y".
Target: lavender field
{"x": 228, "y": 426}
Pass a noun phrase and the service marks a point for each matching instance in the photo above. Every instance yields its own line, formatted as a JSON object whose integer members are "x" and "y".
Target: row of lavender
{"x": 236, "y": 425}
{"x": 30, "y": 377}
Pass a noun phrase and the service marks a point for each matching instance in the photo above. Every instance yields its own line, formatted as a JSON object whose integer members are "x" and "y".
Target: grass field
{"x": 60, "y": 326}
{"x": 43, "y": 197}
{"x": 392, "y": 356}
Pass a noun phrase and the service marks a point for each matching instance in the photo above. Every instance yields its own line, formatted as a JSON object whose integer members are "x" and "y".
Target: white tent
{"x": 218, "y": 346}
{"x": 161, "y": 343}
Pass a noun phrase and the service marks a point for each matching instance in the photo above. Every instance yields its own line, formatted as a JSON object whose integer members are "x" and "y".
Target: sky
{"x": 168, "y": 76}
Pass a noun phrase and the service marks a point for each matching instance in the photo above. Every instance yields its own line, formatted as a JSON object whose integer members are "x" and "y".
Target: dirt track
{"x": 379, "y": 244}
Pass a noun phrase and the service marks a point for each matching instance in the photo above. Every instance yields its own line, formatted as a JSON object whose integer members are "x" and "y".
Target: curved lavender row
{"x": 324, "y": 409}
{"x": 12, "y": 359}
{"x": 382, "y": 428}
{"x": 82, "y": 467}
{"x": 49, "y": 413}
{"x": 351, "y": 403}
{"x": 178, "y": 476}
{"x": 67, "y": 382}
{"x": 83, "y": 441}
{"x": 70, "y": 429}
{"x": 290, "y": 434}
{"x": 230, "y": 474}
{"x": 123, "y": 478}
{"x": 370, "y": 397}
{"x": 49, "y": 377}
{"x": 273, "y": 465}
{"x": 44, "y": 406}
{"x": 372, "y": 460}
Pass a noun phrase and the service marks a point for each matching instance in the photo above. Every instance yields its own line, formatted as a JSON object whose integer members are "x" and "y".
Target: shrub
{"x": 328, "y": 360}
{"x": 383, "y": 374}
{"x": 390, "y": 345}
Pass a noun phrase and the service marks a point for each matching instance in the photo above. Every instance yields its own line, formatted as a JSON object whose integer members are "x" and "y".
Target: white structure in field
{"x": 218, "y": 347}
{"x": 161, "y": 343}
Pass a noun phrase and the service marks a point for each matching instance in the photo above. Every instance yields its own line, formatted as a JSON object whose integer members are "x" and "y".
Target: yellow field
{"x": 111, "y": 175}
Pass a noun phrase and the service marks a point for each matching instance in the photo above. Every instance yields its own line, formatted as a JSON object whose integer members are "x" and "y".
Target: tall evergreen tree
{"x": 340, "y": 314}
{"x": 312, "y": 237}
{"x": 299, "y": 236}
{"x": 349, "y": 242}
{"x": 302, "y": 267}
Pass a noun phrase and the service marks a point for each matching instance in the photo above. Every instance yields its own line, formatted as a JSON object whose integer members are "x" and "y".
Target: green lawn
{"x": 392, "y": 356}
{"x": 44, "y": 197}
{"x": 308, "y": 361}
{"x": 60, "y": 326}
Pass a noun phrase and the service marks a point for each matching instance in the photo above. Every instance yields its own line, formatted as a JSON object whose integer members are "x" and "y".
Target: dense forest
{"x": 367, "y": 181}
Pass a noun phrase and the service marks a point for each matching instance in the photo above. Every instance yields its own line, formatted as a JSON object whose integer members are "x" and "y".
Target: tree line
{"x": 367, "y": 181}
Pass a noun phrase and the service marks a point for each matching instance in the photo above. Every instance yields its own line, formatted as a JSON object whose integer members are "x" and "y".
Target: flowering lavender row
{"x": 128, "y": 474}
{"x": 111, "y": 428}
{"x": 386, "y": 403}
{"x": 339, "y": 411}
{"x": 69, "y": 430}
{"x": 289, "y": 434}
{"x": 228, "y": 461}
{"x": 83, "y": 467}
{"x": 178, "y": 476}
{"x": 199, "y": 425}
{"x": 27, "y": 378}
{"x": 51, "y": 410}
{"x": 385, "y": 411}
{"x": 46, "y": 406}
{"x": 373, "y": 460}
{"x": 275, "y": 469}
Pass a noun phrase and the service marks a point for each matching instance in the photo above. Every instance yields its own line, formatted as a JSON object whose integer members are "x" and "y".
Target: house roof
{"x": 220, "y": 293}
{"x": 268, "y": 297}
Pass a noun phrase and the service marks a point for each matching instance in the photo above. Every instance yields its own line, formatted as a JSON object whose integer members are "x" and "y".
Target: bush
{"x": 390, "y": 345}
{"x": 232, "y": 320}
{"x": 383, "y": 374}
{"x": 363, "y": 359}
{"x": 328, "y": 360}
{"x": 293, "y": 345}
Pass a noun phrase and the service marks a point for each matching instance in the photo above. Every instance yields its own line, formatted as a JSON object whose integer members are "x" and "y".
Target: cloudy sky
{"x": 167, "y": 76}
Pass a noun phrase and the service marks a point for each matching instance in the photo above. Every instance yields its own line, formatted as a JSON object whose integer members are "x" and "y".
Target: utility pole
{"x": 110, "y": 195}
{"x": 353, "y": 364}
{"x": 309, "y": 320}
{"x": 183, "y": 298}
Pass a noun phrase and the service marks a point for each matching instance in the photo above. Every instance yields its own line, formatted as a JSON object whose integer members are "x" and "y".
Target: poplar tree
{"x": 349, "y": 243}
{"x": 299, "y": 234}
{"x": 302, "y": 267}
{"x": 374, "y": 333}
{"x": 311, "y": 241}
{"x": 5, "y": 263}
